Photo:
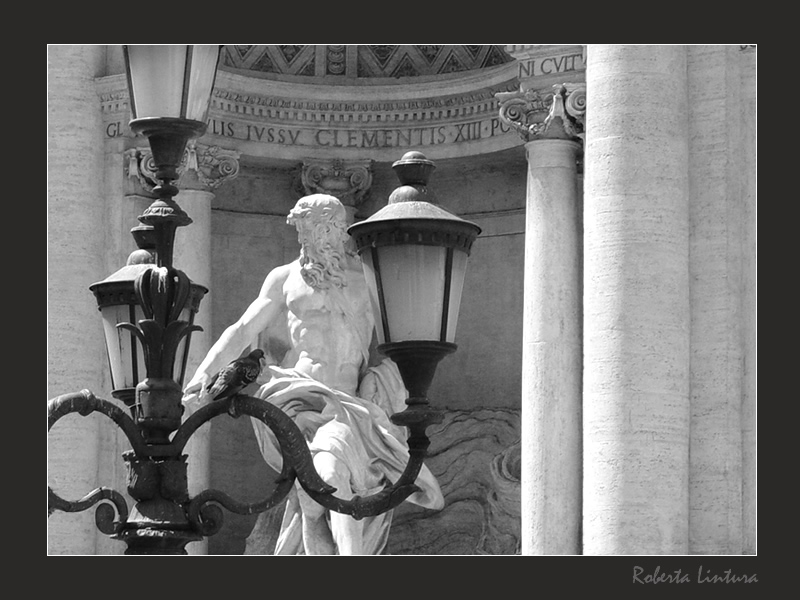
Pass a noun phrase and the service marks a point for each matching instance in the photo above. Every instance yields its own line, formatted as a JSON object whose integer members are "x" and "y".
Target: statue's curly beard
{"x": 323, "y": 257}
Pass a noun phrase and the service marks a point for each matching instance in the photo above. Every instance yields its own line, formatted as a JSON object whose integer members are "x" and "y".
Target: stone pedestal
{"x": 636, "y": 302}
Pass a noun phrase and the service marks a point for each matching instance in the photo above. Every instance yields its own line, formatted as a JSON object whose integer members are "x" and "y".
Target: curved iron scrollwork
{"x": 157, "y": 473}
{"x": 108, "y": 520}
{"x": 85, "y": 403}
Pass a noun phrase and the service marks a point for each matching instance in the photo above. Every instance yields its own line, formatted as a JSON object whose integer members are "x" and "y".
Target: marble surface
{"x": 475, "y": 455}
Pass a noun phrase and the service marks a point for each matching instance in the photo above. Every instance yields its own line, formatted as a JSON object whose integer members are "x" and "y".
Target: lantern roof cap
{"x": 126, "y": 273}
{"x": 412, "y": 206}
{"x": 129, "y": 273}
{"x": 416, "y": 210}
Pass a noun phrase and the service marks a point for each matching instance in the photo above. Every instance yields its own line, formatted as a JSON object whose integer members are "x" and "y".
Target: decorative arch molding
{"x": 296, "y": 121}
{"x": 450, "y": 115}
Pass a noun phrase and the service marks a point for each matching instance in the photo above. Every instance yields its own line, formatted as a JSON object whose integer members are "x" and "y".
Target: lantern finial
{"x": 413, "y": 169}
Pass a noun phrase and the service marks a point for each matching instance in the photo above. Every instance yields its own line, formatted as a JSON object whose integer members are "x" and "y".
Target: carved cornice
{"x": 239, "y": 96}
{"x": 212, "y": 165}
{"x": 347, "y": 180}
{"x": 538, "y": 114}
{"x": 354, "y": 110}
{"x": 293, "y": 122}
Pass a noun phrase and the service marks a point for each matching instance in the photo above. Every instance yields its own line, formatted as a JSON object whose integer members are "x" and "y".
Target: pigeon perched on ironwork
{"x": 236, "y": 376}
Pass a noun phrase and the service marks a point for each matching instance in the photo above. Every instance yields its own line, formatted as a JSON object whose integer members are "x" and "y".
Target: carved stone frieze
{"x": 335, "y": 60}
{"x": 354, "y": 110}
{"x": 211, "y": 164}
{"x": 347, "y": 180}
{"x": 538, "y": 114}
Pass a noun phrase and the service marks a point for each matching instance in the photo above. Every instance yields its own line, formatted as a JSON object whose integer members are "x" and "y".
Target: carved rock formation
{"x": 475, "y": 455}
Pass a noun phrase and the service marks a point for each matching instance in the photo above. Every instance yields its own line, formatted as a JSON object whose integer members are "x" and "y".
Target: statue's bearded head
{"x": 321, "y": 223}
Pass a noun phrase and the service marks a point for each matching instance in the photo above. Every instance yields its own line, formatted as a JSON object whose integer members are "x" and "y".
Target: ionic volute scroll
{"x": 211, "y": 165}
{"x": 538, "y": 114}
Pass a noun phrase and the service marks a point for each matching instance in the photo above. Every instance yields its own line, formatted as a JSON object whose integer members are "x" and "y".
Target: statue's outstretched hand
{"x": 195, "y": 393}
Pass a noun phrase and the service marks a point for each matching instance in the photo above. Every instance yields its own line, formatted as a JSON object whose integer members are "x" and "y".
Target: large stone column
{"x": 636, "y": 302}
{"x": 203, "y": 170}
{"x": 716, "y": 226}
{"x": 551, "y": 346}
{"x": 75, "y": 259}
{"x": 748, "y": 58}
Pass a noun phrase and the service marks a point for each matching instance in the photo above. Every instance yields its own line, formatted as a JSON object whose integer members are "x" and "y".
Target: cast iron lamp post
{"x": 414, "y": 256}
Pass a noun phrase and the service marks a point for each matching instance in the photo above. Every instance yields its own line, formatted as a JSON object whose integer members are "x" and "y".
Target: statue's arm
{"x": 268, "y": 305}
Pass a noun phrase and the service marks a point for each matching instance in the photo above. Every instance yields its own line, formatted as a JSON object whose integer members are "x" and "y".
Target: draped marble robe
{"x": 355, "y": 429}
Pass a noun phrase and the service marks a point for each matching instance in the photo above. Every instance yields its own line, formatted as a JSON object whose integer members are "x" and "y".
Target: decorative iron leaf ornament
{"x": 162, "y": 293}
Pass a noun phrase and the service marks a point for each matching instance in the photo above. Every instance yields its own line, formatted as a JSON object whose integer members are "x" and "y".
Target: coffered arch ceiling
{"x": 365, "y": 63}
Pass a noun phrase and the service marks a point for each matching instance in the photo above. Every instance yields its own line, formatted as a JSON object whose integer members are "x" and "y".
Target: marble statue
{"x": 324, "y": 382}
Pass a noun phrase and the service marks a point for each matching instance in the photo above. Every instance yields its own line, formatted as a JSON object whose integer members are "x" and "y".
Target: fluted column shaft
{"x": 749, "y": 83}
{"x": 636, "y": 302}
{"x": 551, "y": 352}
{"x": 716, "y": 254}
{"x": 75, "y": 259}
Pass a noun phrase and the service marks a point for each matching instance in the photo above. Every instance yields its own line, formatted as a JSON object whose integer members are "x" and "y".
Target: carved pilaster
{"x": 212, "y": 165}
{"x": 539, "y": 114}
{"x": 349, "y": 181}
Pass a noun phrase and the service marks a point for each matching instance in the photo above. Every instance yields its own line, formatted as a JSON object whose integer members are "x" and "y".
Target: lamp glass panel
{"x": 372, "y": 286}
{"x": 157, "y": 74}
{"x": 459, "y": 270}
{"x": 413, "y": 290}
{"x": 201, "y": 81}
{"x": 125, "y": 353}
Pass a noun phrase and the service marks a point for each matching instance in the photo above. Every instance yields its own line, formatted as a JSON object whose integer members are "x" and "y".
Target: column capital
{"x": 348, "y": 180}
{"x": 211, "y": 165}
{"x": 545, "y": 114}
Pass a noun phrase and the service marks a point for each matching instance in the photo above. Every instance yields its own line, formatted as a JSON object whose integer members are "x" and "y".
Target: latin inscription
{"x": 388, "y": 137}
{"x": 536, "y": 67}
{"x": 116, "y": 129}
{"x": 361, "y": 138}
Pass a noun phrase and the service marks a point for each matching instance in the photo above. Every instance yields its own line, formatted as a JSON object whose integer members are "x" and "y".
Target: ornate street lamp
{"x": 148, "y": 310}
{"x": 170, "y": 90}
{"x": 414, "y": 255}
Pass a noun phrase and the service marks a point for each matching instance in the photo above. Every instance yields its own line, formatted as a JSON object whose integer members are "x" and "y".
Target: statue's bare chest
{"x": 304, "y": 301}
